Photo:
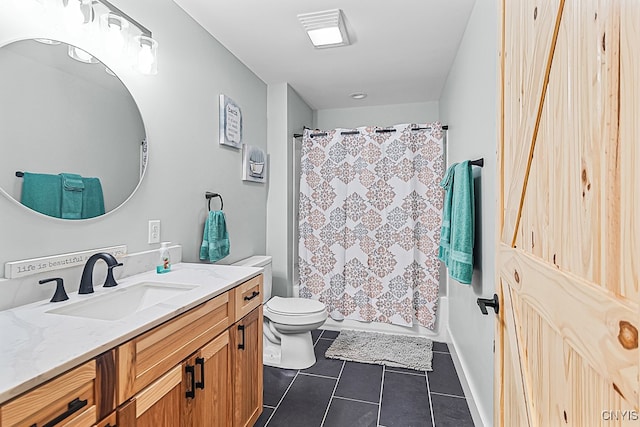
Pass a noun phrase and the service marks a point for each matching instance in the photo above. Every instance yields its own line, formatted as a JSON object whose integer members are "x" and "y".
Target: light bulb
{"x": 114, "y": 27}
{"x": 145, "y": 59}
{"x": 73, "y": 12}
{"x": 115, "y": 40}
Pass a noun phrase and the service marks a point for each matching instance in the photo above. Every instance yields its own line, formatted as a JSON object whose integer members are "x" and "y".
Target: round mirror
{"x": 72, "y": 139}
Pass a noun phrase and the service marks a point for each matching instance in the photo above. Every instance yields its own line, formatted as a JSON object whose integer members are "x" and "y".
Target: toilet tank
{"x": 263, "y": 261}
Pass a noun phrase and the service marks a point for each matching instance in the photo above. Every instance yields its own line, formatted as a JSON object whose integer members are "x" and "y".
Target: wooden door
{"x": 246, "y": 348}
{"x": 568, "y": 259}
{"x": 160, "y": 404}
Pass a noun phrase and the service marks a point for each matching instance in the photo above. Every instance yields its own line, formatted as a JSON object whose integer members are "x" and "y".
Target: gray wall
{"x": 469, "y": 106}
{"x": 382, "y": 115}
{"x": 180, "y": 109}
{"x": 287, "y": 114}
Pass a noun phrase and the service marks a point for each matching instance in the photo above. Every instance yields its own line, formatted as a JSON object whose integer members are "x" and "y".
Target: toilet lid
{"x": 294, "y": 306}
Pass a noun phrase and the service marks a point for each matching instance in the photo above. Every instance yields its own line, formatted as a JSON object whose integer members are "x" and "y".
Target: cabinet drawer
{"x": 145, "y": 358}
{"x": 248, "y": 296}
{"x": 56, "y": 399}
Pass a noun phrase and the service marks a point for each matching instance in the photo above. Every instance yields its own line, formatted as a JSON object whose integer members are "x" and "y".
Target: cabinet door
{"x": 213, "y": 384}
{"x": 247, "y": 368}
{"x": 159, "y": 404}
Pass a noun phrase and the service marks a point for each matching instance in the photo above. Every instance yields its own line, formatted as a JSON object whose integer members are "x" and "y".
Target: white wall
{"x": 287, "y": 114}
{"x": 469, "y": 106}
{"x": 179, "y": 107}
{"x": 382, "y": 115}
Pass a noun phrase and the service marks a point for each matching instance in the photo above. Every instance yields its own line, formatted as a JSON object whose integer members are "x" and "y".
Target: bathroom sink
{"x": 123, "y": 302}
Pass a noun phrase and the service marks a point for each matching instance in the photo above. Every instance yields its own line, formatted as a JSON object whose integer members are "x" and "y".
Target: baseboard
{"x": 473, "y": 408}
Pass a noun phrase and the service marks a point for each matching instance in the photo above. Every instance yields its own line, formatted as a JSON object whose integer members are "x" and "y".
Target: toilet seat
{"x": 294, "y": 311}
{"x": 294, "y": 306}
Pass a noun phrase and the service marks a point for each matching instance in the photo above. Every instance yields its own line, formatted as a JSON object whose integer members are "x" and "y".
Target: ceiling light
{"x": 358, "y": 95}
{"x": 325, "y": 29}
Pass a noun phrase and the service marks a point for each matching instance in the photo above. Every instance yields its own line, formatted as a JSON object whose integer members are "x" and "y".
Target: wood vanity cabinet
{"x": 201, "y": 368}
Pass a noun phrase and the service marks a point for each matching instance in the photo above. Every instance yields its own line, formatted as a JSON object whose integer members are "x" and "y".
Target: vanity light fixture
{"x": 144, "y": 47}
{"x": 122, "y": 36}
{"x": 326, "y": 28}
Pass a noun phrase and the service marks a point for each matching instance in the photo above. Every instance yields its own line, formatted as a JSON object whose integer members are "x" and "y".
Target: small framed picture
{"x": 254, "y": 164}
{"x": 230, "y": 122}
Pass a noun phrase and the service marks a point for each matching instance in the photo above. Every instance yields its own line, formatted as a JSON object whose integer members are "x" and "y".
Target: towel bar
{"x": 209, "y": 195}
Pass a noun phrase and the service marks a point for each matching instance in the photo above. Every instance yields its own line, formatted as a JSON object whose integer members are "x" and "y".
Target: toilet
{"x": 288, "y": 323}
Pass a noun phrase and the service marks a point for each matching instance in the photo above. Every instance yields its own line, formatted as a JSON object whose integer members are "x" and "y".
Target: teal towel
{"x": 445, "y": 231}
{"x": 42, "y": 193}
{"x": 215, "y": 241}
{"x": 456, "y": 247}
{"x": 72, "y": 191}
{"x": 92, "y": 198}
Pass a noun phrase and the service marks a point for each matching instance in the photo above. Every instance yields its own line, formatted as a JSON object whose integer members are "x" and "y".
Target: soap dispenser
{"x": 164, "y": 264}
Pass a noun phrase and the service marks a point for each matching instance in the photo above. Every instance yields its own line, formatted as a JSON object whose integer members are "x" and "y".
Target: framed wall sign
{"x": 230, "y": 122}
{"x": 254, "y": 164}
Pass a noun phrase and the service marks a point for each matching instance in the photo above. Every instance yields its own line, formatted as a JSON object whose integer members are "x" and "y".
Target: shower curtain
{"x": 370, "y": 216}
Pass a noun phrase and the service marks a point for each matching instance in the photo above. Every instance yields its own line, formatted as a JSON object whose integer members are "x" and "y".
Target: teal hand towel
{"x": 445, "y": 231}
{"x": 456, "y": 248}
{"x": 215, "y": 241}
{"x": 72, "y": 190}
{"x": 92, "y": 198}
{"x": 42, "y": 193}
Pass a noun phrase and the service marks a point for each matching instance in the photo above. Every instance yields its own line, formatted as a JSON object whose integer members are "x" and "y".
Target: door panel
{"x": 567, "y": 334}
{"x": 528, "y": 38}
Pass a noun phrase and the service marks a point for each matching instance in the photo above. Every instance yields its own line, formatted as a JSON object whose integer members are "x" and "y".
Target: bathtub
{"x": 440, "y": 333}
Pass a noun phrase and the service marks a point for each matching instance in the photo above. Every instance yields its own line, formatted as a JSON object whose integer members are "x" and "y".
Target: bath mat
{"x": 403, "y": 351}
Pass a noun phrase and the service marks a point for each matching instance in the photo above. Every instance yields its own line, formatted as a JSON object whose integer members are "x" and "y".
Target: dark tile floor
{"x": 333, "y": 393}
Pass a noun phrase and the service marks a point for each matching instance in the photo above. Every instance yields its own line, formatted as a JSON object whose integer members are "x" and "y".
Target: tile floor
{"x": 333, "y": 393}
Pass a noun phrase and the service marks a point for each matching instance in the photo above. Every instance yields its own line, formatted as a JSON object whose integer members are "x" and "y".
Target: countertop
{"x": 36, "y": 346}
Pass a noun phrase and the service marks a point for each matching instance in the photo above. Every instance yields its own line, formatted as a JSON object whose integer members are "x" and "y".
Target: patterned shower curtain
{"x": 370, "y": 214}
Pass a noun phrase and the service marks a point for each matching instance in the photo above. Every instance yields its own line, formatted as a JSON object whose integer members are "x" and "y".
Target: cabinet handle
{"x": 74, "y": 406}
{"x": 253, "y": 295}
{"x": 241, "y": 329}
{"x": 191, "y": 370}
{"x": 200, "y": 361}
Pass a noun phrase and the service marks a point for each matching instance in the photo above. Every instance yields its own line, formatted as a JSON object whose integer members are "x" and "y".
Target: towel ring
{"x": 209, "y": 195}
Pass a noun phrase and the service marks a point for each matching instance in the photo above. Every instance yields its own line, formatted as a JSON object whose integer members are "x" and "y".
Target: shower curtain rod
{"x": 355, "y": 132}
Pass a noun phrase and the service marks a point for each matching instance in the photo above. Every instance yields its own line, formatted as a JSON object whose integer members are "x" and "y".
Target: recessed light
{"x": 358, "y": 95}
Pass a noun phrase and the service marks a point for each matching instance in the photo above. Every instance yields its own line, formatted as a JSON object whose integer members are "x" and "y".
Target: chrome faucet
{"x": 86, "y": 282}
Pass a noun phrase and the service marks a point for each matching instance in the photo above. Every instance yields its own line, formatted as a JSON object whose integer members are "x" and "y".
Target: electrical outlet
{"x": 154, "y": 231}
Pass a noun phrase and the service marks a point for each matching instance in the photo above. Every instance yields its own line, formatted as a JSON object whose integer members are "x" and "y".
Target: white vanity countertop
{"x": 36, "y": 346}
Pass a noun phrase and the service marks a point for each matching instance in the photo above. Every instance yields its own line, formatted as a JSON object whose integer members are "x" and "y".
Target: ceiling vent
{"x": 325, "y": 29}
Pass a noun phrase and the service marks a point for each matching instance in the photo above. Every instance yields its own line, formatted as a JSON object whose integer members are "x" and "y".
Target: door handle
{"x": 241, "y": 329}
{"x": 191, "y": 370}
{"x": 200, "y": 361}
{"x": 483, "y": 303}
